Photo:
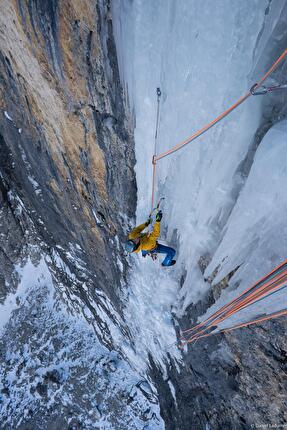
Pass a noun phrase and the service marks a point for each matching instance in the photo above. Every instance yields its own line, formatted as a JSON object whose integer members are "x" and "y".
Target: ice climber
{"x": 147, "y": 242}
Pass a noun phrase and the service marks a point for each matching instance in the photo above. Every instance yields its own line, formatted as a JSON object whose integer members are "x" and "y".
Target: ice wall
{"x": 204, "y": 58}
{"x": 256, "y": 231}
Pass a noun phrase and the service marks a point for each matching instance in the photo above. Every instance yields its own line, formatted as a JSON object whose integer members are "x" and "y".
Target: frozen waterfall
{"x": 219, "y": 203}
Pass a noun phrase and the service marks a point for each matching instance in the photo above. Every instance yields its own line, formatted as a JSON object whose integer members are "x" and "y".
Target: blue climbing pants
{"x": 162, "y": 249}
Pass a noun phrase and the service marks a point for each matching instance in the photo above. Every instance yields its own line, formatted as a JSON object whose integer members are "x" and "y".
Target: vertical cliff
{"x": 66, "y": 142}
{"x": 67, "y": 193}
{"x": 223, "y": 210}
{"x": 73, "y": 318}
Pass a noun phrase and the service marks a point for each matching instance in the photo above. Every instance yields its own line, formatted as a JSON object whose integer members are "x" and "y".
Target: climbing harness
{"x": 153, "y": 256}
{"x": 271, "y": 283}
{"x": 157, "y": 157}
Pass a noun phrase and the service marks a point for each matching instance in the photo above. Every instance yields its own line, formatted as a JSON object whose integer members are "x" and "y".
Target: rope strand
{"x": 224, "y": 114}
{"x": 273, "y": 282}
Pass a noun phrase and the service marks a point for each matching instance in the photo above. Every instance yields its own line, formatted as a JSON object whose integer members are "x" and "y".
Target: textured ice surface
{"x": 256, "y": 231}
{"x": 203, "y": 58}
{"x": 148, "y": 312}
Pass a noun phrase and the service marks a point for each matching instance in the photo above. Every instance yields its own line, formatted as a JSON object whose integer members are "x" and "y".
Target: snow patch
{"x": 29, "y": 275}
{"x": 8, "y": 116}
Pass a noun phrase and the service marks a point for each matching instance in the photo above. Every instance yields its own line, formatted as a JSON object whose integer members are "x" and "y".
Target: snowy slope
{"x": 52, "y": 360}
{"x": 203, "y": 58}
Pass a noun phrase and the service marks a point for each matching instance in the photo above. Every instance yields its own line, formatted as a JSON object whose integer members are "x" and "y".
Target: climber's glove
{"x": 158, "y": 216}
{"x": 148, "y": 222}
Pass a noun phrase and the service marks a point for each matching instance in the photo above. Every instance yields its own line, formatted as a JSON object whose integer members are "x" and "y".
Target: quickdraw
{"x": 265, "y": 90}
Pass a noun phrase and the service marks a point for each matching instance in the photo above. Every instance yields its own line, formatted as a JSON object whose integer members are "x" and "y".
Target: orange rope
{"x": 266, "y": 318}
{"x": 238, "y": 297}
{"x": 250, "y": 299}
{"x": 153, "y": 182}
{"x": 223, "y": 115}
{"x": 203, "y": 129}
{"x": 216, "y": 120}
{"x": 256, "y": 321}
{"x": 239, "y": 303}
{"x": 239, "y": 307}
{"x": 262, "y": 290}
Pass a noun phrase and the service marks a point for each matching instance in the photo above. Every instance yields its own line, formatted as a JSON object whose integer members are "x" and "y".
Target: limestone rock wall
{"x": 66, "y": 140}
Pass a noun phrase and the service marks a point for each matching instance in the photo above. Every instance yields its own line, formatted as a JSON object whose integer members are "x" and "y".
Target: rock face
{"x": 233, "y": 381}
{"x": 66, "y": 144}
{"x": 67, "y": 189}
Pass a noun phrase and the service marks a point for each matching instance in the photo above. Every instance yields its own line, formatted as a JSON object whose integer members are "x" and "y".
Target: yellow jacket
{"x": 147, "y": 241}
